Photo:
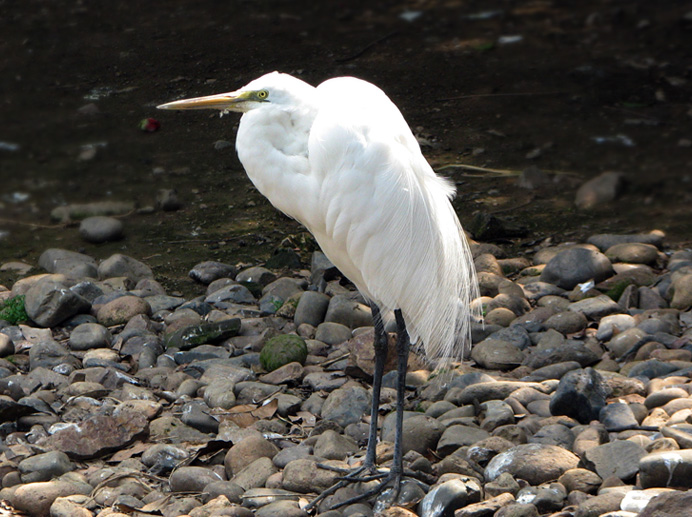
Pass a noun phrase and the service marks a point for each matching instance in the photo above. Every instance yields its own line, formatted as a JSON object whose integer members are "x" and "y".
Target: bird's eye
{"x": 262, "y": 94}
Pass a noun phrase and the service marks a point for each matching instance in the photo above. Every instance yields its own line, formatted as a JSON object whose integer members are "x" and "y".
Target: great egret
{"x": 341, "y": 160}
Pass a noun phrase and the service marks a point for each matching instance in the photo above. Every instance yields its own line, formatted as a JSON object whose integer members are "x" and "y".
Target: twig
{"x": 35, "y": 225}
{"x": 498, "y": 172}
{"x": 518, "y": 94}
{"x": 335, "y": 359}
{"x": 365, "y": 48}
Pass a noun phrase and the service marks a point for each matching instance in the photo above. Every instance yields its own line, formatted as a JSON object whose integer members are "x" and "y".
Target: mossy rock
{"x": 194, "y": 335}
{"x": 281, "y": 350}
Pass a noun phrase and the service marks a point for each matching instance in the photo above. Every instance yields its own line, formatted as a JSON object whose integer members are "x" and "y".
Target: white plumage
{"x": 341, "y": 159}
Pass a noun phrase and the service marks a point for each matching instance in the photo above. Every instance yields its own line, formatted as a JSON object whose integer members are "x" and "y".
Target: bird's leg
{"x": 380, "y": 345}
{"x": 396, "y": 473}
{"x": 402, "y": 349}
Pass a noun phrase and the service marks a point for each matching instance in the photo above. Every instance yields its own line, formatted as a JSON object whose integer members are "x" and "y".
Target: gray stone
{"x": 334, "y": 446}
{"x": 121, "y": 265}
{"x": 444, "y": 498}
{"x": 208, "y": 271}
{"x": 617, "y": 416}
{"x": 457, "y": 436}
{"x": 121, "y": 310}
{"x": 68, "y": 263}
{"x": 37, "y": 498}
{"x": 576, "y": 265}
{"x": 233, "y": 293}
{"x": 554, "y": 434}
{"x": 257, "y": 275}
{"x": 596, "y": 308}
{"x": 547, "y": 353}
{"x": 535, "y": 463}
{"x": 497, "y": 355}
{"x": 99, "y": 434}
{"x": 163, "y": 457}
{"x": 44, "y": 467}
{"x": 420, "y": 433}
{"x": 668, "y": 504}
{"x": 255, "y": 474}
{"x": 667, "y": 468}
{"x": 100, "y": 229}
{"x": 332, "y": 333}
{"x": 602, "y": 189}
{"x": 607, "y": 240}
{"x": 567, "y": 322}
{"x": 192, "y": 479}
{"x": 304, "y": 476}
{"x": 49, "y": 303}
{"x": 633, "y": 253}
{"x": 90, "y": 335}
{"x": 219, "y": 394}
{"x": 682, "y": 292}
{"x": 580, "y": 394}
{"x": 246, "y": 451}
{"x": 227, "y": 489}
{"x": 612, "y": 325}
{"x": 619, "y": 459}
{"x": 287, "y": 455}
{"x": 346, "y": 311}
{"x": 49, "y": 354}
{"x": 626, "y": 341}
{"x": 311, "y": 309}
{"x": 600, "y": 505}
{"x": 346, "y": 405}
{"x": 283, "y": 288}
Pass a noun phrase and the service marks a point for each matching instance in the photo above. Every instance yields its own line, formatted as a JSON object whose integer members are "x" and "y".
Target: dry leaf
{"x": 126, "y": 454}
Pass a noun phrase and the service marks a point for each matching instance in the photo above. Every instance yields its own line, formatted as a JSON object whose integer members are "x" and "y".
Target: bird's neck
{"x": 273, "y": 147}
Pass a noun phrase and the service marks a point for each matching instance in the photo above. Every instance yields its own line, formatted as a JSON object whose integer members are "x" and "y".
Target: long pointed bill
{"x": 221, "y": 101}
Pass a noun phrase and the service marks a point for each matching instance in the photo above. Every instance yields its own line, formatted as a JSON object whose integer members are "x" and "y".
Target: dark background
{"x": 581, "y": 70}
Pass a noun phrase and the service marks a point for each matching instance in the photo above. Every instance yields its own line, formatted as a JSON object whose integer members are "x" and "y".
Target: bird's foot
{"x": 392, "y": 488}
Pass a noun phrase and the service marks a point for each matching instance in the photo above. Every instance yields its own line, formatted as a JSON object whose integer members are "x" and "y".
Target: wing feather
{"x": 385, "y": 218}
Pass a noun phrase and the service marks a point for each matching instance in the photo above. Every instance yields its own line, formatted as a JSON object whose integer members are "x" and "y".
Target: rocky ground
{"x": 121, "y": 399}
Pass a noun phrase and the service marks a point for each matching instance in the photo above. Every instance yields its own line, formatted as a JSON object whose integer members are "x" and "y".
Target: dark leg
{"x": 380, "y": 344}
{"x": 402, "y": 349}
{"x": 396, "y": 473}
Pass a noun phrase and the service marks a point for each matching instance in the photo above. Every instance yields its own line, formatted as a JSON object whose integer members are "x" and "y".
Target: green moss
{"x": 13, "y": 311}
{"x": 281, "y": 350}
{"x": 615, "y": 292}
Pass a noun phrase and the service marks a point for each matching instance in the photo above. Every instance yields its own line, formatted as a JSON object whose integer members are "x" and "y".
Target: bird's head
{"x": 274, "y": 89}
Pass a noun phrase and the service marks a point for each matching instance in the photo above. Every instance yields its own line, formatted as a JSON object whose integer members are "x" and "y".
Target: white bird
{"x": 340, "y": 159}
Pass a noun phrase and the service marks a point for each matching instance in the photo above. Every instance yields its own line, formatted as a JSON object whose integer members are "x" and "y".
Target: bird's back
{"x": 385, "y": 218}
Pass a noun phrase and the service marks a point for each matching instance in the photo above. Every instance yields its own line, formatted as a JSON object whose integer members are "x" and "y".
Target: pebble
{"x": 602, "y": 189}
{"x": 546, "y": 420}
{"x": 98, "y": 229}
{"x": 208, "y": 271}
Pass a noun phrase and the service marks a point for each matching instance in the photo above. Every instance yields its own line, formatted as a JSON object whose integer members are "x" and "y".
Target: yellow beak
{"x": 221, "y": 101}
